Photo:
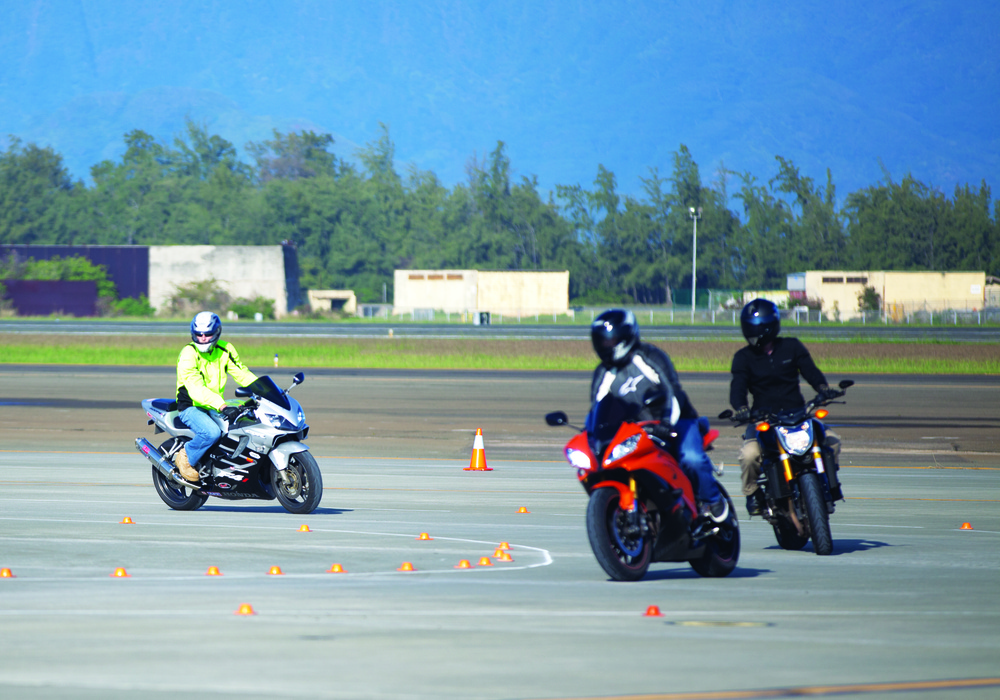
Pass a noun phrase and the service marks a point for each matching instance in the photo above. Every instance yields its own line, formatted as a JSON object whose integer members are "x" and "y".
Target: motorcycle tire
{"x": 302, "y": 495}
{"x": 817, "y": 514}
{"x": 722, "y": 551}
{"x": 787, "y": 535}
{"x": 623, "y": 557}
{"x": 172, "y": 493}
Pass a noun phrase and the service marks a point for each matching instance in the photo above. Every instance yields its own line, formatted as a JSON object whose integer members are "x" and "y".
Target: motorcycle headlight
{"x": 625, "y": 447}
{"x": 796, "y": 440}
{"x": 278, "y": 422}
{"x": 578, "y": 459}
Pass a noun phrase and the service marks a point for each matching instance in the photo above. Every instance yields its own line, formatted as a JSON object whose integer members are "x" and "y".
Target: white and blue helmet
{"x": 205, "y": 331}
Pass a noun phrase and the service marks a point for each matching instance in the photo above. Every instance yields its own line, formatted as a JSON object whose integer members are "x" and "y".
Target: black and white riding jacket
{"x": 648, "y": 368}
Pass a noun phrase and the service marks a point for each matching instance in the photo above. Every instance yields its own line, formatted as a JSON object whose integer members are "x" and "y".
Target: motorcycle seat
{"x": 164, "y": 404}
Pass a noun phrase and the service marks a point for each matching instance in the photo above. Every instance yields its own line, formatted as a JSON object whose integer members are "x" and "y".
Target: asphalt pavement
{"x": 906, "y": 607}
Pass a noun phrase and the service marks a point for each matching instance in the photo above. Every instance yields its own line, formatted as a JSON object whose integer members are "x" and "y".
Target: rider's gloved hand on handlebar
{"x": 742, "y": 414}
{"x": 826, "y": 393}
{"x": 231, "y": 412}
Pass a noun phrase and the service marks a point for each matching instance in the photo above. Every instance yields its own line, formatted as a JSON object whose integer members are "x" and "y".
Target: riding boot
{"x": 184, "y": 467}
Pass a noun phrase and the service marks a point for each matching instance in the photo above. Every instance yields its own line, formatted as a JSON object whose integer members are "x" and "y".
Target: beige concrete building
{"x": 510, "y": 293}
{"x": 342, "y": 300}
{"x": 245, "y": 272}
{"x": 901, "y": 293}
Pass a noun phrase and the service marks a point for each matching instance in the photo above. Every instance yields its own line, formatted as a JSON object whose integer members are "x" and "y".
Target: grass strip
{"x": 499, "y": 354}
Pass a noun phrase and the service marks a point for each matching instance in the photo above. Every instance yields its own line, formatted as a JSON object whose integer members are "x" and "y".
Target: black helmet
{"x": 760, "y": 321}
{"x": 614, "y": 335}
{"x": 205, "y": 331}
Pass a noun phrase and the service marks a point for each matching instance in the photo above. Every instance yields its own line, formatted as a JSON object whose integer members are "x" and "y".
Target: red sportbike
{"x": 642, "y": 505}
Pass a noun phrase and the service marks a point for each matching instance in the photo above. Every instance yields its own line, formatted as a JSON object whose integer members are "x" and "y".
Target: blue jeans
{"x": 695, "y": 463}
{"x": 206, "y": 432}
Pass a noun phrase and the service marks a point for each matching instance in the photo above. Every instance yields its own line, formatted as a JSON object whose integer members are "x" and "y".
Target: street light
{"x": 695, "y": 214}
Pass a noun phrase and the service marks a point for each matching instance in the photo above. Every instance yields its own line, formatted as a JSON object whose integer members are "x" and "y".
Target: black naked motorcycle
{"x": 795, "y": 477}
{"x": 260, "y": 455}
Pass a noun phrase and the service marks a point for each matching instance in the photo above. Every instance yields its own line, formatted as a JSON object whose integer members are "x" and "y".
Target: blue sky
{"x": 913, "y": 87}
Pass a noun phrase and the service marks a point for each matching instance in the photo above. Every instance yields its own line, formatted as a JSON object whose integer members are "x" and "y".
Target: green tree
{"x": 35, "y": 189}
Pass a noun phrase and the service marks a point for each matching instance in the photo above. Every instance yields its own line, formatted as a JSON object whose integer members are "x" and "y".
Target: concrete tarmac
{"x": 907, "y": 597}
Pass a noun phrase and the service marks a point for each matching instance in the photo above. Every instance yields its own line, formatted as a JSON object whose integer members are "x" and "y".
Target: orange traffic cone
{"x": 245, "y": 609}
{"x": 653, "y": 611}
{"x": 478, "y": 461}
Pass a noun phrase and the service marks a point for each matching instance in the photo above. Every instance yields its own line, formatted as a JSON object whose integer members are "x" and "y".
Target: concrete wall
{"x": 453, "y": 291}
{"x": 243, "y": 271}
{"x": 499, "y": 292}
{"x": 901, "y": 292}
{"x": 512, "y": 293}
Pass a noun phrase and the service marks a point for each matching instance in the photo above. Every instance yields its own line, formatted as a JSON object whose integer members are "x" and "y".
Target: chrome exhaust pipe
{"x": 160, "y": 462}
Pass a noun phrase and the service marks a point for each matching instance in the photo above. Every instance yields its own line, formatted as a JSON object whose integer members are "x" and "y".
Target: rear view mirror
{"x": 243, "y": 392}
{"x": 556, "y": 418}
{"x": 298, "y": 378}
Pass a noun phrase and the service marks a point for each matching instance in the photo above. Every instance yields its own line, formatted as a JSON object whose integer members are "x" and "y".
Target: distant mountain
{"x": 567, "y": 85}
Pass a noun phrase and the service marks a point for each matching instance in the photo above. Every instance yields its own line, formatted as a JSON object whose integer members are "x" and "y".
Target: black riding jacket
{"x": 773, "y": 379}
{"x": 648, "y": 368}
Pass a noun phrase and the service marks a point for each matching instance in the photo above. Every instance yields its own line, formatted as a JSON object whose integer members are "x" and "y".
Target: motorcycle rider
{"x": 769, "y": 368}
{"x": 201, "y": 379}
{"x": 630, "y": 368}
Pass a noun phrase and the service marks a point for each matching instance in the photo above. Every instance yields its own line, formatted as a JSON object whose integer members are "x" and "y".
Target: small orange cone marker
{"x": 503, "y": 545}
{"x": 126, "y": 521}
{"x": 245, "y": 609}
{"x": 275, "y": 571}
{"x": 522, "y": 509}
{"x": 966, "y": 526}
{"x": 425, "y": 536}
{"x": 407, "y": 566}
{"x": 504, "y": 556}
{"x": 653, "y": 611}
{"x": 213, "y": 571}
{"x": 336, "y": 569}
{"x": 464, "y": 564}
{"x": 485, "y": 561}
{"x": 304, "y": 528}
{"x": 5, "y": 573}
{"x": 120, "y": 573}
{"x": 478, "y": 461}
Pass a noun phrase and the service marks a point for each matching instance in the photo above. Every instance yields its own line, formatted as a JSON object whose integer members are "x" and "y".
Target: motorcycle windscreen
{"x": 267, "y": 389}
{"x": 603, "y": 421}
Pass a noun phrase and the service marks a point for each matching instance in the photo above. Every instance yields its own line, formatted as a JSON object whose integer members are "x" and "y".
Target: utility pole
{"x": 695, "y": 214}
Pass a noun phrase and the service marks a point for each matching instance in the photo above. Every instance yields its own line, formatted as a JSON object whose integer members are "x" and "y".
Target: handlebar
{"x": 772, "y": 416}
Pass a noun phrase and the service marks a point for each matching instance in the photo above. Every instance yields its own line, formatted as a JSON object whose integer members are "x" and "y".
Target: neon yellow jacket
{"x": 201, "y": 376}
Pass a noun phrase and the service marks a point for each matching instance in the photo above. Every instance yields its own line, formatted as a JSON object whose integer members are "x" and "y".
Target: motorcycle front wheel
{"x": 818, "y": 516}
{"x": 172, "y": 493}
{"x": 623, "y": 554}
{"x": 301, "y": 492}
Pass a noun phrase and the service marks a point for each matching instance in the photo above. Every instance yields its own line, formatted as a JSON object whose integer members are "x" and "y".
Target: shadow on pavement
{"x": 274, "y": 509}
{"x": 843, "y": 546}
{"x": 689, "y": 573}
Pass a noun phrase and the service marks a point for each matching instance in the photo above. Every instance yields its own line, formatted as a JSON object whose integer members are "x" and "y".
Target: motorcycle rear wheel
{"x": 623, "y": 557}
{"x": 819, "y": 517}
{"x": 787, "y": 536}
{"x": 172, "y": 493}
{"x": 722, "y": 551}
{"x": 305, "y": 488}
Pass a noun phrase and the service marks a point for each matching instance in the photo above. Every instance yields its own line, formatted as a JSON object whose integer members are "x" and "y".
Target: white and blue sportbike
{"x": 261, "y": 453}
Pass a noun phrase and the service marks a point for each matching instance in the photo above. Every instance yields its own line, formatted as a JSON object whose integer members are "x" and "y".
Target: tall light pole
{"x": 695, "y": 214}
